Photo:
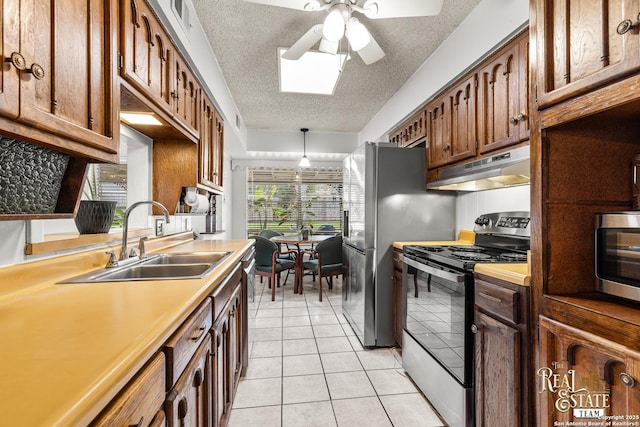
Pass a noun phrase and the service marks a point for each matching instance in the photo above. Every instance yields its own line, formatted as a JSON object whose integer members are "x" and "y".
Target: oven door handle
{"x": 447, "y": 275}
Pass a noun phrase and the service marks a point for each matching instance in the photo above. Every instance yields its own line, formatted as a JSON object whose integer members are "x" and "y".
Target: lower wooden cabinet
{"x": 189, "y": 401}
{"x": 399, "y": 297}
{"x": 139, "y": 401}
{"x": 502, "y": 354}
{"x": 583, "y": 371}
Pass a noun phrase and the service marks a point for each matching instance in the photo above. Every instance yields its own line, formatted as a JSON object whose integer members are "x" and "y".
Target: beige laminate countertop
{"x": 466, "y": 237}
{"x": 516, "y": 273}
{"x": 68, "y": 349}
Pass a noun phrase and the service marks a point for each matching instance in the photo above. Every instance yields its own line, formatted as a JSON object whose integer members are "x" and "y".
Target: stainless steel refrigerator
{"x": 385, "y": 200}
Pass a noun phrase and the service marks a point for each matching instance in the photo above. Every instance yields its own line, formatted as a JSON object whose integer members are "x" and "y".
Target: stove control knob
{"x": 482, "y": 221}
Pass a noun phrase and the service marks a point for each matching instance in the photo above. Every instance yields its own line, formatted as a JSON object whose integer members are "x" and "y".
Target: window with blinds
{"x": 287, "y": 200}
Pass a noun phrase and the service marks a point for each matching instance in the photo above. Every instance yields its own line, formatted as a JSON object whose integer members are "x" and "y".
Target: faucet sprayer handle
{"x": 141, "y": 248}
{"x": 113, "y": 259}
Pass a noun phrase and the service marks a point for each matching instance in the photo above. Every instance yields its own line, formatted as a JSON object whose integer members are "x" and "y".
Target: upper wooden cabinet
{"x": 412, "y": 132}
{"x": 146, "y": 53}
{"x": 186, "y": 96}
{"x": 57, "y": 82}
{"x": 581, "y": 47}
{"x": 151, "y": 64}
{"x": 503, "y": 97}
{"x": 451, "y": 124}
{"x": 211, "y": 147}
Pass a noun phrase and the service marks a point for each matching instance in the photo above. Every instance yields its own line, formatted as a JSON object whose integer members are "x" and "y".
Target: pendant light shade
{"x": 304, "y": 162}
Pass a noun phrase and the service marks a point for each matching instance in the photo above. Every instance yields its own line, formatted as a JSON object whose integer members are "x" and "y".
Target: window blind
{"x": 287, "y": 200}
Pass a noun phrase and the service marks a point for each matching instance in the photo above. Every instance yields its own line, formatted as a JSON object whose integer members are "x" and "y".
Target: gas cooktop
{"x": 462, "y": 257}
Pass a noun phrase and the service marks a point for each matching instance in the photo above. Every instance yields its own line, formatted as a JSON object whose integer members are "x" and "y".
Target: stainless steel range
{"x": 438, "y": 339}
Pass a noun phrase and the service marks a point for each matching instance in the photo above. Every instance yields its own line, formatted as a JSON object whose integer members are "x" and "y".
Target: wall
{"x": 469, "y": 206}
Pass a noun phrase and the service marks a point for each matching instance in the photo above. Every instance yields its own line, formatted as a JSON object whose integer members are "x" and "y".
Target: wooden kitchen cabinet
{"x": 185, "y": 96}
{"x": 580, "y": 48}
{"x": 503, "y": 376}
{"x": 211, "y": 147}
{"x": 189, "y": 402}
{"x": 146, "y": 53}
{"x": 503, "y": 97}
{"x": 452, "y": 124}
{"x": 399, "y": 297}
{"x": 140, "y": 402}
{"x": 58, "y": 79}
{"x": 590, "y": 362}
{"x": 221, "y": 366}
{"x": 411, "y": 132}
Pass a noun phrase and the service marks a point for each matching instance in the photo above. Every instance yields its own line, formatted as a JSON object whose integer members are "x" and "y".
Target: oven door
{"x": 440, "y": 315}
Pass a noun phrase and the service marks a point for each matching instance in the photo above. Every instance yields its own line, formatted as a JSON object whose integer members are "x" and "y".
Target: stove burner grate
{"x": 470, "y": 248}
{"x": 473, "y": 256}
{"x": 512, "y": 256}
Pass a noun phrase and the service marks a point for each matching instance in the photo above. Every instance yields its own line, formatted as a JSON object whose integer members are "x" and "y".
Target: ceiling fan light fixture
{"x": 357, "y": 34}
{"x": 333, "y": 28}
{"x": 328, "y": 46}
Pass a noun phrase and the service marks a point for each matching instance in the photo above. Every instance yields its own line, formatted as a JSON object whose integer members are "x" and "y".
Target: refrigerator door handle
{"x": 345, "y": 223}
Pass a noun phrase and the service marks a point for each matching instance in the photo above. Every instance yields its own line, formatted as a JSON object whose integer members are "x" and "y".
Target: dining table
{"x": 300, "y": 243}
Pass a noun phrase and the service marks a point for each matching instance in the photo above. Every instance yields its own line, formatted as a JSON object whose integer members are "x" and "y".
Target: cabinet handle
{"x": 474, "y": 329}
{"x": 200, "y": 334}
{"x": 17, "y": 60}
{"x": 489, "y": 297}
{"x": 183, "y": 407}
{"x": 513, "y": 120}
{"x": 627, "y": 379}
{"x": 626, "y": 25}
{"x": 37, "y": 71}
{"x": 140, "y": 423}
{"x": 446, "y": 147}
{"x": 175, "y": 95}
{"x": 521, "y": 117}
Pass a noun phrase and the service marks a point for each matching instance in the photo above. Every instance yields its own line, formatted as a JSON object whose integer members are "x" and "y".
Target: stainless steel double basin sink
{"x": 165, "y": 266}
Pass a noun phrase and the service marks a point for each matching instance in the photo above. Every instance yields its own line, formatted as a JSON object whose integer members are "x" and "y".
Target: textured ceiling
{"x": 244, "y": 37}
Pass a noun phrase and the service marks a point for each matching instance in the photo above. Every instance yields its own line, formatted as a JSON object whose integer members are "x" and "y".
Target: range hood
{"x": 506, "y": 169}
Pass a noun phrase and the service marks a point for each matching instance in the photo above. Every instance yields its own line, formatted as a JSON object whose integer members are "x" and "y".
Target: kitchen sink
{"x": 166, "y": 266}
{"x": 186, "y": 258}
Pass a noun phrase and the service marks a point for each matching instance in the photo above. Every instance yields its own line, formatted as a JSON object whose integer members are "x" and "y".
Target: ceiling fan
{"x": 340, "y": 22}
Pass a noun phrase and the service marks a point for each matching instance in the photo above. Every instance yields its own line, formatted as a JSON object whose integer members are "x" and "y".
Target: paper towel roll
{"x": 191, "y": 197}
{"x": 201, "y": 204}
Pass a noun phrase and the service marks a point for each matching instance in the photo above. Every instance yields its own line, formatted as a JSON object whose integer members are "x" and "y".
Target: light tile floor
{"x": 307, "y": 368}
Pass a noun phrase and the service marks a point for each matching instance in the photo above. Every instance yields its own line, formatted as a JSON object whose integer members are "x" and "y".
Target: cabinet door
{"x": 211, "y": 147}
{"x": 189, "y": 402}
{"x": 498, "y": 367}
{"x": 438, "y": 134}
{"x": 186, "y": 96}
{"x": 235, "y": 335}
{"x": 588, "y": 366}
{"x": 10, "y": 71}
{"x": 146, "y": 53}
{"x": 462, "y": 116}
{"x": 67, "y": 86}
{"x": 579, "y": 47}
{"x": 221, "y": 369}
{"x": 499, "y": 101}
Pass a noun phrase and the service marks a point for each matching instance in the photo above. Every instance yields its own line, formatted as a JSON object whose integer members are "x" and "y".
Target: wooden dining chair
{"x": 268, "y": 263}
{"x": 325, "y": 261}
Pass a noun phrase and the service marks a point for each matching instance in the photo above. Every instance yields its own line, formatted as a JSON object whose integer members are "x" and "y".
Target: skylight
{"x": 315, "y": 72}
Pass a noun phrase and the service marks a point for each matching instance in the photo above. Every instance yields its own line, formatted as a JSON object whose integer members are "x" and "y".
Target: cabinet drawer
{"x": 498, "y": 300}
{"x": 184, "y": 343}
{"x": 140, "y": 400}
{"x": 222, "y": 293}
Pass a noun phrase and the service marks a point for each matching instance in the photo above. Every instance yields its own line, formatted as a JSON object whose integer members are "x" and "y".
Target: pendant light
{"x": 304, "y": 162}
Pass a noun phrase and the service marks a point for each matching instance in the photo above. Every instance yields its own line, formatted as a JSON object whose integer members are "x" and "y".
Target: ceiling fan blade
{"x": 289, "y": 4}
{"x": 371, "y": 53}
{"x": 304, "y": 43}
{"x": 379, "y": 9}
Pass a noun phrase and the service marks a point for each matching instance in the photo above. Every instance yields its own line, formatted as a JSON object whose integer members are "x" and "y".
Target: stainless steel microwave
{"x": 618, "y": 254}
